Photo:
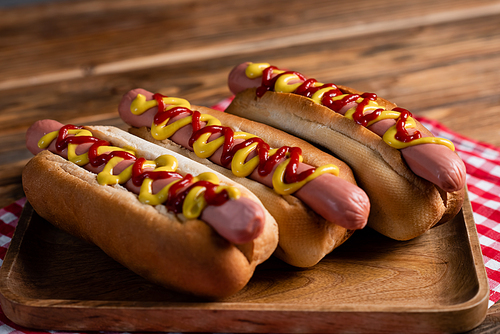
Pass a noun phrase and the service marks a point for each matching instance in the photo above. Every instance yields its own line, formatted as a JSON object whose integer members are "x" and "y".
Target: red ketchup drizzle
{"x": 63, "y": 140}
{"x": 96, "y": 160}
{"x": 225, "y": 131}
{"x": 268, "y": 81}
{"x": 307, "y": 90}
{"x": 359, "y": 117}
{"x": 266, "y": 163}
{"x": 176, "y": 195}
{"x": 339, "y": 104}
{"x": 401, "y": 132}
{"x": 139, "y": 174}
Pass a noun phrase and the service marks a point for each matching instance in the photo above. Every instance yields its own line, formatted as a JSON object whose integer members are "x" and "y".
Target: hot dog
{"x": 414, "y": 180}
{"x": 326, "y": 205}
{"x": 165, "y": 217}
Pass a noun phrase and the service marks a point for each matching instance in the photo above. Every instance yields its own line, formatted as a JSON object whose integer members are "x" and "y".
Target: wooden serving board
{"x": 434, "y": 283}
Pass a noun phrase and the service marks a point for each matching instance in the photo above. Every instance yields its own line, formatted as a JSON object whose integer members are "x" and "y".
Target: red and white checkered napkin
{"x": 483, "y": 181}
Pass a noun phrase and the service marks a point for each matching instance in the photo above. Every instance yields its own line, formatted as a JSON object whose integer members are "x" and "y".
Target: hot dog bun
{"x": 305, "y": 237}
{"x": 403, "y": 205}
{"x": 185, "y": 255}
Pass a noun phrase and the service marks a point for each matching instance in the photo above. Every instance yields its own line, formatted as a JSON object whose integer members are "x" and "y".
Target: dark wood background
{"x": 73, "y": 60}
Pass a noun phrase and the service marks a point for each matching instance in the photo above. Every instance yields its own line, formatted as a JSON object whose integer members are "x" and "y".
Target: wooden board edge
{"x": 473, "y": 310}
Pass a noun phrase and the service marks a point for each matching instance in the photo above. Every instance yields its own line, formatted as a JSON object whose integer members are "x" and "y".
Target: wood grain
{"x": 72, "y": 61}
{"x": 370, "y": 284}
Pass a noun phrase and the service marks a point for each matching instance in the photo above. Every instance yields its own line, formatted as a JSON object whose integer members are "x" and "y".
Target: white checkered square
{"x": 496, "y": 288}
{"x": 484, "y": 240}
{"x": 486, "y": 222}
{"x": 484, "y": 185}
{"x": 4, "y": 329}
{"x": 8, "y": 217}
{"x": 4, "y": 240}
{"x": 492, "y": 204}
{"x": 473, "y": 197}
{"x": 496, "y": 228}
{"x": 493, "y": 265}
{"x": 495, "y": 171}
{"x": 446, "y": 135}
{"x": 479, "y": 219}
{"x": 475, "y": 161}
{"x": 490, "y": 154}
{"x": 467, "y": 146}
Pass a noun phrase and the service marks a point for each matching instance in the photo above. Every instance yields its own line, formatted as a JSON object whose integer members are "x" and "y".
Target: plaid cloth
{"x": 483, "y": 180}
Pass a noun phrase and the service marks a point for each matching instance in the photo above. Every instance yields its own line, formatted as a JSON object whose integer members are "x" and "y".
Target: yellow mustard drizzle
{"x": 390, "y": 138}
{"x": 255, "y": 70}
{"x": 140, "y": 105}
{"x": 239, "y": 164}
{"x": 106, "y": 177}
{"x": 242, "y": 168}
{"x": 318, "y": 96}
{"x": 194, "y": 202}
{"x": 289, "y": 188}
{"x": 45, "y": 141}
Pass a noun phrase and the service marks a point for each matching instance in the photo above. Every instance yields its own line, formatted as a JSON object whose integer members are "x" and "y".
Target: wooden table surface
{"x": 73, "y": 60}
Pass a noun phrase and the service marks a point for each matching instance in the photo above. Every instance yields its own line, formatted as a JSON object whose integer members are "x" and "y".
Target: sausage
{"x": 334, "y": 198}
{"x": 238, "y": 221}
{"x": 433, "y": 162}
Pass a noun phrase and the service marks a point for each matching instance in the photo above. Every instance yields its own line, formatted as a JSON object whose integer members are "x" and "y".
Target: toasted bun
{"x": 305, "y": 237}
{"x": 186, "y": 255}
{"x": 403, "y": 205}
